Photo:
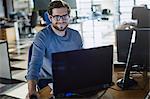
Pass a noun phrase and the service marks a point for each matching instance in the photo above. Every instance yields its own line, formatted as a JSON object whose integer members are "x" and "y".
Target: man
{"x": 56, "y": 37}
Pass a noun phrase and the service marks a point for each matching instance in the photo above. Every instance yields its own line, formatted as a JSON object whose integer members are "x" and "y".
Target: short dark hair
{"x": 57, "y": 4}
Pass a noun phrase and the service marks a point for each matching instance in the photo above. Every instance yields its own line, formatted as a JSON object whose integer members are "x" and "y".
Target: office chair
{"x": 141, "y": 14}
{"x": 105, "y": 13}
{"x": 46, "y": 18}
{"x": 29, "y": 27}
{"x": 29, "y": 57}
{"x": 30, "y": 54}
{"x": 45, "y": 81}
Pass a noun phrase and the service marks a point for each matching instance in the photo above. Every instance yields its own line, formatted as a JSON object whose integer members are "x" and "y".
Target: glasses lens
{"x": 58, "y": 17}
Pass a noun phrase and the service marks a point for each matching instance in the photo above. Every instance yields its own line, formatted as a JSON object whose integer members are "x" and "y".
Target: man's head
{"x": 59, "y": 14}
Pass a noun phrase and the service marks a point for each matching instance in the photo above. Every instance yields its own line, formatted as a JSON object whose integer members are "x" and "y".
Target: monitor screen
{"x": 82, "y": 71}
{"x": 123, "y": 38}
{"x": 141, "y": 48}
{"x": 5, "y": 71}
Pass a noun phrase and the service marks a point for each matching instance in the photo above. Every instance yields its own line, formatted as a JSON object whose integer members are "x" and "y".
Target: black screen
{"x": 141, "y": 48}
{"x": 123, "y": 43}
{"x": 82, "y": 71}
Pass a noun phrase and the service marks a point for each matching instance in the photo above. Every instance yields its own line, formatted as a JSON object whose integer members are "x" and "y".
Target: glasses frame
{"x": 59, "y": 17}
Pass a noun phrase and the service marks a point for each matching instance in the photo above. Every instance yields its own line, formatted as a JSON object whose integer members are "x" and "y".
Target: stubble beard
{"x": 60, "y": 27}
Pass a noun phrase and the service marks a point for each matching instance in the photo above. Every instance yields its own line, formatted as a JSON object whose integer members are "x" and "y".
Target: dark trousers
{"x": 43, "y": 83}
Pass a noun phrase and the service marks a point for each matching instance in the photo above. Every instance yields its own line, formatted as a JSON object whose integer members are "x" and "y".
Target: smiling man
{"x": 56, "y": 37}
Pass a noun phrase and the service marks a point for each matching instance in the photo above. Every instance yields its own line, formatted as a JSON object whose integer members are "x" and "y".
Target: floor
{"x": 94, "y": 33}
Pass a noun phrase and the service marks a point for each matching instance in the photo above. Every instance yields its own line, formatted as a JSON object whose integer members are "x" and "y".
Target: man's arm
{"x": 31, "y": 87}
{"x": 36, "y": 61}
{"x": 38, "y": 51}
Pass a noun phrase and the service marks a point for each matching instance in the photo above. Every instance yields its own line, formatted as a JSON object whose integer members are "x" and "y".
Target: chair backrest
{"x": 46, "y": 18}
{"x": 30, "y": 54}
{"x": 29, "y": 57}
{"x": 138, "y": 11}
{"x": 34, "y": 18}
{"x": 105, "y": 11}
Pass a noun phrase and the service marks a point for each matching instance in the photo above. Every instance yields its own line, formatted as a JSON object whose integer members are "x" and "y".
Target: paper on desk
{"x": 51, "y": 86}
{"x": 18, "y": 91}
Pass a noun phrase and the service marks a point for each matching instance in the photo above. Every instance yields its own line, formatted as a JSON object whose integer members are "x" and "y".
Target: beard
{"x": 60, "y": 27}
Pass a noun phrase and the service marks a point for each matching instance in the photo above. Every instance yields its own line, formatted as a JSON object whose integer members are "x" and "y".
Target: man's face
{"x": 60, "y": 18}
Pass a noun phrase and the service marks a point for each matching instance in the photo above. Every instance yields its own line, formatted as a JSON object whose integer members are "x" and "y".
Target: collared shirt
{"x": 45, "y": 43}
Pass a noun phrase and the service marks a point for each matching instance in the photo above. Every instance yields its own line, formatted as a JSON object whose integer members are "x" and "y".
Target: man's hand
{"x": 32, "y": 93}
{"x": 33, "y": 96}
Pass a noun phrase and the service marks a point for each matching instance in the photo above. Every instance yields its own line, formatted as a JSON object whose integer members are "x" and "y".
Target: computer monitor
{"x": 82, "y": 72}
{"x": 5, "y": 71}
{"x": 5, "y": 66}
{"x": 123, "y": 38}
{"x": 141, "y": 48}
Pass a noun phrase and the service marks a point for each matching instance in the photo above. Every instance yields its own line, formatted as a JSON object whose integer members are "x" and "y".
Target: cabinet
{"x": 3, "y": 34}
{"x": 8, "y": 34}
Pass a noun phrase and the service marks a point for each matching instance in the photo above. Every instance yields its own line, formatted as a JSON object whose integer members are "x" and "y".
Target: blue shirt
{"x": 45, "y": 43}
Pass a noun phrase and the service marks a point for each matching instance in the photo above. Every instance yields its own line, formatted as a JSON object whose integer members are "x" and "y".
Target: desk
{"x": 110, "y": 94}
{"x": 140, "y": 93}
{"x": 137, "y": 92}
{"x": 9, "y": 32}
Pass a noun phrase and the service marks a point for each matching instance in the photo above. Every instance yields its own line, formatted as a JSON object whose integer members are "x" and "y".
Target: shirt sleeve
{"x": 79, "y": 39}
{"x": 38, "y": 52}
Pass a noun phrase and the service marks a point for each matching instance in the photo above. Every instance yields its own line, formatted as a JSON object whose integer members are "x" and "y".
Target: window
{"x": 84, "y": 6}
{"x": 125, "y": 8}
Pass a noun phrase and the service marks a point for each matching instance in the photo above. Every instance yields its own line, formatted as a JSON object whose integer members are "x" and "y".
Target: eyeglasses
{"x": 63, "y": 17}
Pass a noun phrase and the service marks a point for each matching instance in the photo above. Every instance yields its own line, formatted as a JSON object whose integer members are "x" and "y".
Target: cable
{"x": 99, "y": 97}
{"x": 139, "y": 88}
{"x": 148, "y": 95}
{"x": 115, "y": 89}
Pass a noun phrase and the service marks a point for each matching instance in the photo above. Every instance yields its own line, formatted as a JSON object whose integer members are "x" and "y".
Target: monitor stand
{"x": 127, "y": 81}
{"x": 127, "y": 84}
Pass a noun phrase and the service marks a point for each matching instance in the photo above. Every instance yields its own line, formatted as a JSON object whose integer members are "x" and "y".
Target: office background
{"x": 102, "y": 17}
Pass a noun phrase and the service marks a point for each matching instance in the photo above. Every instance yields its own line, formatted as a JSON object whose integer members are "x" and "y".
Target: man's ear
{"x": 50, "y": 17}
